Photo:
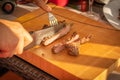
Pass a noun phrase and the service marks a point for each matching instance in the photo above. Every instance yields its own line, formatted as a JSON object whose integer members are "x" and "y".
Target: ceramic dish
{"x": 111, "y": 12}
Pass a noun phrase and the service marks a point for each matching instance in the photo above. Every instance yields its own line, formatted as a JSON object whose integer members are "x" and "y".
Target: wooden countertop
{"x": 97, "y": 58}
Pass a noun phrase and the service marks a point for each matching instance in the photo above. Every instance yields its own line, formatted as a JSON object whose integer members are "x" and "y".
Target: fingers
{"x": 24, "y": 40}
{"x": 16, "y": 49}
{"x": 45, "y": 1}
{"x": 27, "y": 38}
{"x": 20, "y": 45}
{"x": 23, "y": 36}
{"x": 42, "y": 4}
{"x": 13, "y": 38}
{"x": 48, "y": 8}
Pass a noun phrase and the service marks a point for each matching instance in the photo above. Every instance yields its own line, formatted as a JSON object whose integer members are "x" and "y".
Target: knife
{"x": 39, "y": 35}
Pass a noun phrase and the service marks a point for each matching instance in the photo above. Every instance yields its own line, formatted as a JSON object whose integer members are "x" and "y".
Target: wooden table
{"x": 97, "y": 58}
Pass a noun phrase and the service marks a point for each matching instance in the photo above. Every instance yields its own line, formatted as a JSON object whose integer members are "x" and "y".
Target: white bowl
{"x": 111, "y": 13}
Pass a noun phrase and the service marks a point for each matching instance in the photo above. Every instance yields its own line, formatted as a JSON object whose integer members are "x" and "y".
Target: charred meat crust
{"x": 71, "y": 45}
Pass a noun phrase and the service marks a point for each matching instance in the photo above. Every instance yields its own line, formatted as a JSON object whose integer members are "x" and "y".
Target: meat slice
{"x": 46, "y": 32}
{"x": 71, "y": 45}
{"x": 61, "y": 46}
{"x": 73, "y": 48}
{"x": 57, "y": 35}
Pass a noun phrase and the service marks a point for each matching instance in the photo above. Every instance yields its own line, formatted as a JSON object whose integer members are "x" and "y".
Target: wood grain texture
{"x": 97, "y": 58}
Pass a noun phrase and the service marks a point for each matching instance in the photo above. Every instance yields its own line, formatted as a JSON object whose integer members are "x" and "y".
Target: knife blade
{"x": 39, "y": 35}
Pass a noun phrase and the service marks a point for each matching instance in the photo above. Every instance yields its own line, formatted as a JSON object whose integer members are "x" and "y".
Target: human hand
{"x": 13, "y": 38}
{"x": 42, "y": 4}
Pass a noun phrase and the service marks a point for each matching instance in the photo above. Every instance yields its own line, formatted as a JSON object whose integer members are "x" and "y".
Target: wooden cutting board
{"x": 97, "y": 58}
